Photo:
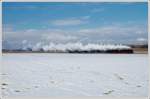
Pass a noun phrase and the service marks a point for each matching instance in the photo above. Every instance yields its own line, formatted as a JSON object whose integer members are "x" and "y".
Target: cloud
{"x": 36, "y": 35}
{"x": 21, "y": 7}
{"x": 115, "y": 30}
{"x": 126, "y": 34}
{"x": 68, "y": 22}
{"x": 24, "y": 42}
{"x": 119, "y": 33}
{"x": 76, "y": 46}
{"x": 58, "y": 37}
{"x": 86, "y": 17}
{"x": 96, "y": 10}
{"x": 142, "y": 39}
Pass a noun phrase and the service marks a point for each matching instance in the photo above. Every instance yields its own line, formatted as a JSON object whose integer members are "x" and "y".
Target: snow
{"x": 74, "y": 74}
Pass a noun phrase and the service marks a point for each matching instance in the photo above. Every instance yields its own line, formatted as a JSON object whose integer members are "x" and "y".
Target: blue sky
{"x": 31, "y": 23}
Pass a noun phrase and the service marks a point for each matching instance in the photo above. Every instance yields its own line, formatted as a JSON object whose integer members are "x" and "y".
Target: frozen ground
{"x": 75, "y": 75}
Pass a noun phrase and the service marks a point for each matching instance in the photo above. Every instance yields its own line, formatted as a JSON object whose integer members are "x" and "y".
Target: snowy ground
{"x": 75, "y": 75}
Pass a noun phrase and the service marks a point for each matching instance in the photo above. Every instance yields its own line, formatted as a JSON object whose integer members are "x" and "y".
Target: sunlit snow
{"x": 74, "y": 74}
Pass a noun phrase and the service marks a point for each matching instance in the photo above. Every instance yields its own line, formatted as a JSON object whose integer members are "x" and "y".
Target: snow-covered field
{"x": 74, "y": 74}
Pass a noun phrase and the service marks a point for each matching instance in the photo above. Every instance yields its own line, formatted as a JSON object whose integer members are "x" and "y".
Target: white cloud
{"x": 95, "y": 10}
{"x": 27, "y": 7}
{"x": 76, "y": 46}
{"x": 86, "y": 17}
{"x": 140, "y": 32}
{"x": 142, "y": 39}
{"x": 103, "y": 34}
{"x": 61, "y": 37}
{"x": 115, "y": 30}
{"x": 37, "y": 35}
{"x": 68, "y": 22}
{"x": 24, "y": 41}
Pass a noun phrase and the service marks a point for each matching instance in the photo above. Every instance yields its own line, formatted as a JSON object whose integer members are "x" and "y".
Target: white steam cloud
{"x": 76, "y": 47}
